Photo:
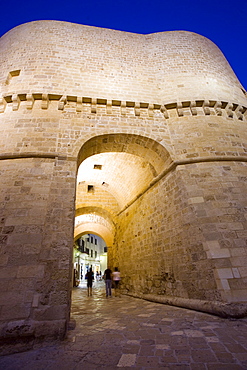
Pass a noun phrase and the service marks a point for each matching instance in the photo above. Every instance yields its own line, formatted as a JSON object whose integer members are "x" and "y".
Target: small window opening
{"x": 97, "y": 167}
{"x": 15, "y": 73}
{"x": 12, "y": 74}
{"x": 90, "y": 188}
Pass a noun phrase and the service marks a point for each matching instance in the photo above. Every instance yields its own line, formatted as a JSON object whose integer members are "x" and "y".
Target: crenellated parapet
{"x": 92, "y": 105}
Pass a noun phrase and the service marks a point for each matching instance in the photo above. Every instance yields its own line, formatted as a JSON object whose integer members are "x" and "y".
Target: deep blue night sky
{"x": 223, "y": 22}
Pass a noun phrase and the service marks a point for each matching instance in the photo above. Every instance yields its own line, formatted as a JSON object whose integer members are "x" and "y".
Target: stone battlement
{"x": 91, "y": 105}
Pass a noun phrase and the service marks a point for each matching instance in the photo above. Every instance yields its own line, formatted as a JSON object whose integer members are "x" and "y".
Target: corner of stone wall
{"x": 23, "y": 335}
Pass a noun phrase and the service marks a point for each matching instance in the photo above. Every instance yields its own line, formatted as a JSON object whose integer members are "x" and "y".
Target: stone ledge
{"x": 226, "y": 310}
{"x": 182, "y": 162}
{"x": 23, "y": 335}
{"x": 200, "y": 107}
{"x": 57, "y": 156}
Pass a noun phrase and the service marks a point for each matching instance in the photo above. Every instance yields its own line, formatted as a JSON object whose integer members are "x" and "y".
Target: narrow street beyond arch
{"x": 126, "y": 332}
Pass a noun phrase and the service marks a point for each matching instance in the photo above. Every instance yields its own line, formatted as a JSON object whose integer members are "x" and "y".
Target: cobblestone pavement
{"x": 125, "y": 332}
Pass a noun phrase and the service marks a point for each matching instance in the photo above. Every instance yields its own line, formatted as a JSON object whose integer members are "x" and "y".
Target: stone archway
{"x": 179, "y": 225}
{"x": 113, "y": 171}
{"x": 158, "y": 243}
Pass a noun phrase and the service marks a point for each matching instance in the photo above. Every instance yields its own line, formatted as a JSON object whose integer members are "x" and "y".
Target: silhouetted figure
{"x": 97, "y": 275}
{"x": 108, "y": 282}
{"x": 90, "y": 278}
{"x": 76, "y": 280}
{"x": 116, "y": 279}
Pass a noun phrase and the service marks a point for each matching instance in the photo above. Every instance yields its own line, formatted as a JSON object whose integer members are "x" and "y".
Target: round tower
{"x": 139, "y": 139}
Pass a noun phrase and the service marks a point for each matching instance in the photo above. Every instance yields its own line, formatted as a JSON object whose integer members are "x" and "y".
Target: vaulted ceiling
{"x": 113, "y": 171}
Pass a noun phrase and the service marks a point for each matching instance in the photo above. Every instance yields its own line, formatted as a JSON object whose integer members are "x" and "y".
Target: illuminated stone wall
{"x": 185, "y": 238}
{"x": 170, "y": 115}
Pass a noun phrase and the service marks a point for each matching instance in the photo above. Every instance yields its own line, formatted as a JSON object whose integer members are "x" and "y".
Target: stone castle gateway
{"x": 156, "y": 127}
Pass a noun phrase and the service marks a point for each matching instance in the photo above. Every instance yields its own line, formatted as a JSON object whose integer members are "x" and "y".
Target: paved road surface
{"x": 125, "y": 332}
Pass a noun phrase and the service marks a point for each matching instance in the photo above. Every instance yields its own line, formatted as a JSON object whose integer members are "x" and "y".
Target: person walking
{"x": 108, "y": 281}
{"x": 90, "y": 278}
{"x": 116, "y": 279}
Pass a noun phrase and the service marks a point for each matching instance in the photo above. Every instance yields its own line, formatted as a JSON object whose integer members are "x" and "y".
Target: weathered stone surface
{"x": 166, "y": 116}
{"x": 135, "y": 333}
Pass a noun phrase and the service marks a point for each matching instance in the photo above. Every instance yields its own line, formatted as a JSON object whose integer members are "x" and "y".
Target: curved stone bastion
{"x": 139, "y": 139}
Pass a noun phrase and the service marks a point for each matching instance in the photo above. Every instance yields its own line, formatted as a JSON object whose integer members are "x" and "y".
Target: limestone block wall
{"x": 37, "y": 212}
{"x": 60, "y": 58}
{"x": 68, "y": 92}
{"x": 185, "y": 237}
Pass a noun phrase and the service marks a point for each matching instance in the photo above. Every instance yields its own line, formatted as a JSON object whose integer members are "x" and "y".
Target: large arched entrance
{"x": 114, "y": 170}
{"x": 176, "y": 228}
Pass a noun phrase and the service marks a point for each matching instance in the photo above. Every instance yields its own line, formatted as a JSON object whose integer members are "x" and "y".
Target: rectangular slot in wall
{"x": 12, "y": 74}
